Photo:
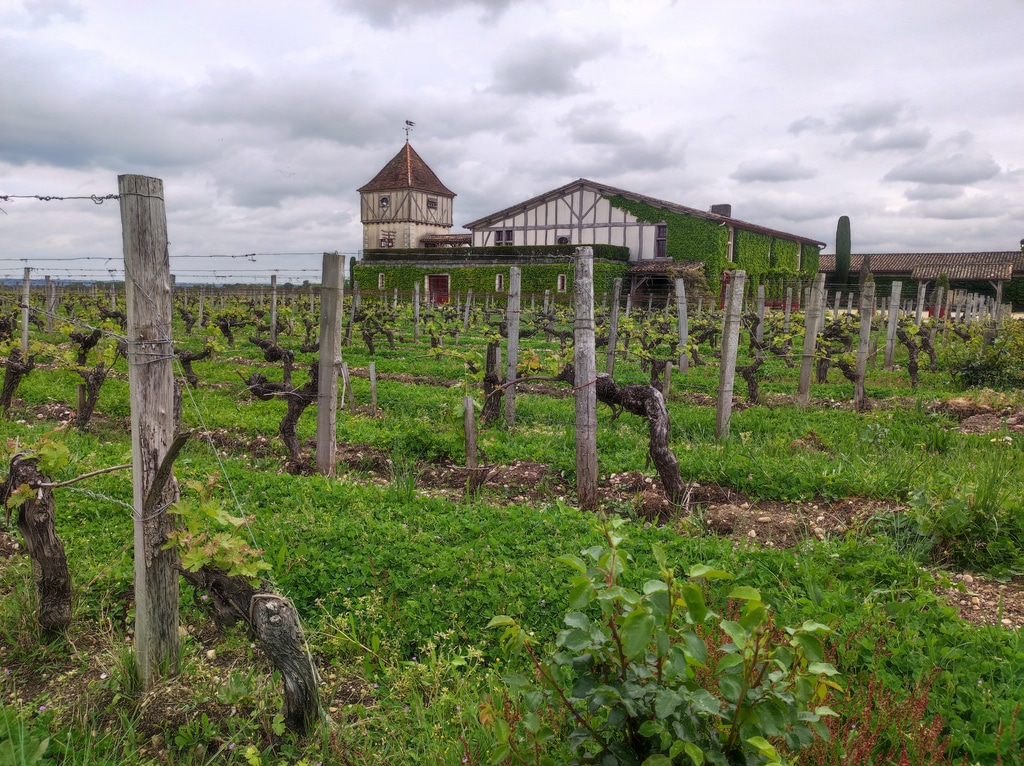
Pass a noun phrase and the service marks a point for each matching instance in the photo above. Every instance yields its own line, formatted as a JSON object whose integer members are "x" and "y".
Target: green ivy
{"x": 752, "y": 253}
{"x": 689, "y": 238}
{"x": 534, "y": 277}
{"x": 809, "y": 256}
{"x": 785, "y": 257}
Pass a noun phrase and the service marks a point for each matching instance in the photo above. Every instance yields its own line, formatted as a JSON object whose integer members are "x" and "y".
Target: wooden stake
{"x": 332, "y": 295}
{"x": 151, "y": 392}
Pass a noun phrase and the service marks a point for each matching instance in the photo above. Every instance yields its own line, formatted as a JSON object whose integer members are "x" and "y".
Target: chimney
{"x": 723, "y": 210}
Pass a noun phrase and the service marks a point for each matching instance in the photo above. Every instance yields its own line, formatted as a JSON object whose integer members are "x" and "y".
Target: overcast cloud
{"x": 263, "y": 119}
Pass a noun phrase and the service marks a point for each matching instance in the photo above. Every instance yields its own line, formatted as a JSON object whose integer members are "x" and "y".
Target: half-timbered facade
{"x": 583, "y": 213}
{"x": 406, "y": 205}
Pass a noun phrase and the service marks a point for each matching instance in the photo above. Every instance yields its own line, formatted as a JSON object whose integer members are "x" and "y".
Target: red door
{"x": 437, "y": 287}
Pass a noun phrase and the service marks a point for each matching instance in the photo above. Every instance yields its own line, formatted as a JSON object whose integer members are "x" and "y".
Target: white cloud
{"x": 772, "y": 168}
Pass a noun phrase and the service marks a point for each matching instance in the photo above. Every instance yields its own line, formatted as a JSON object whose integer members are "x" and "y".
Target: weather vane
{"x": 409, "y": 125}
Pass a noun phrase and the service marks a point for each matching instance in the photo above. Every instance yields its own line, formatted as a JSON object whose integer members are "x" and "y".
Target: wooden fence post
{"x": 585, "y": 364}
{"x": 730, "y": 347}
{"x": 151, "y": 393}
{"x": 373, "y": 389}
{"x": 787, "y": 309}
{"x": 512, "y": 319}
{"x": 332, "y": 295}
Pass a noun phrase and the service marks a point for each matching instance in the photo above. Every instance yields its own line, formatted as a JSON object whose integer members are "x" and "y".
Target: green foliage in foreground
{"x": 654, "y": 676}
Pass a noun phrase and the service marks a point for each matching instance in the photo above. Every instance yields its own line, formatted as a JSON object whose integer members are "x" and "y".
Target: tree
{"x": 843, "y": 250}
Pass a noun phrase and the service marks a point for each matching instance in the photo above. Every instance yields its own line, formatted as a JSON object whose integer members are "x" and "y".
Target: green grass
{"x": 396, "y": 585}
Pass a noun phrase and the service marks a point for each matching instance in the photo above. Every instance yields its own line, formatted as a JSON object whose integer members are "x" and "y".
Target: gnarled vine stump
{"x": 36, "y": 523}
{"x": 272, "y": 621}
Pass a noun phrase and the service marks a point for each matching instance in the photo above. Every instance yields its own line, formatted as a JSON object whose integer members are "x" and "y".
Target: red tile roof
{"x": 407, "y": 170}
{"x": 906, "y": 263}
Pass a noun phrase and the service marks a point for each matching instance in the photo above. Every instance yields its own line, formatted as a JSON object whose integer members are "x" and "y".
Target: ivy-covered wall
{"x": 809, "y": 257}
{"x": 752, "y": 253}
{"x": 785, "y": 258}
{"x": 689, "y": 238}
{"x": 534, "y": 278}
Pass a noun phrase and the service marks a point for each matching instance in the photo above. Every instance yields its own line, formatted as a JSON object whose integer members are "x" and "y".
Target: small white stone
{"x": 752, "y": 534}
{"x": 764, "y": 519}
{"x": 211, "y": 654}
{"x": 968, "y": 579}
{"x": 1007, "y": 621}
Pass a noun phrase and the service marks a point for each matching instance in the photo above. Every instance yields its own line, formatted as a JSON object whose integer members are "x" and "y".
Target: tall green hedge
{"x": 534, "y": 278}
{"x": 510, "y": 253}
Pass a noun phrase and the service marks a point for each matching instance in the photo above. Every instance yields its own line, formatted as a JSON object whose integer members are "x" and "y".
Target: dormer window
{"x": 385, "y": 203}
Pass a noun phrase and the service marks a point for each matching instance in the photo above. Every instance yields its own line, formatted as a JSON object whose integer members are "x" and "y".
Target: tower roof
{"x": 407, "y": 170}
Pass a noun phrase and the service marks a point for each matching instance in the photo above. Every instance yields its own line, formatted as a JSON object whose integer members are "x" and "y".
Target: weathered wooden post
{"x": 416, "y": 311}
{"x": 867, "y": 310}
{"x": 683, "y": 324}
{"x": 759, "y": 334}
{"x": 26, "y": 295}
{"x": 469, "y": 426}
{"x": 512, "y": 320}
{"x": 613, "y": 328}
{"x": 922, "y": 288}
{"x": 273, "y": 309}
{"x": 332, "y": 296}
{"x": 787, "y": 309}
{"x": 373, "y": 388}
{"x": 48, "y": 302}
{"x": 894, "y": 318}
{"x": 465, "y": 315}
{"x": 151, "y": 392}
{"x": 585, "y": 363}
{"x": 730, "y": 347}
{"x": 812, "y": 320}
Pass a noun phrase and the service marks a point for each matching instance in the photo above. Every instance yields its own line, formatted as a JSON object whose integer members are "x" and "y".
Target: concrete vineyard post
{"x": 683, "y": 324}
{"x": 613, "y": 328}
{"x": 512, "y": 318}
{"x": 894, "y": 317}
{"x": 585, "y": 366}
{"x": 812, "y": 321}
{"x": 730, "y": 347}
{"x": 867, "y": 307}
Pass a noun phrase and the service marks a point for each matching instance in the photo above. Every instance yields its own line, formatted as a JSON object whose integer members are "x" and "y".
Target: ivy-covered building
{"x": 646, "y": 241}
{"x": 655, "y": 233}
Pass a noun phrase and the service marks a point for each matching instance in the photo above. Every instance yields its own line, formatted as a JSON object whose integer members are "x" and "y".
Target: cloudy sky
{"x": 263, "y": 118}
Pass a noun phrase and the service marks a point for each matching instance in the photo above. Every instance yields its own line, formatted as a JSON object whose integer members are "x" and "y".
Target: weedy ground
{"x": 872, "y": 523}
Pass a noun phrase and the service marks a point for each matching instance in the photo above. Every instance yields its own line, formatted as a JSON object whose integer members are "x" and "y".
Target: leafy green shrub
{"x": 999, "y": 364}
{"x": 658, "y": 675}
